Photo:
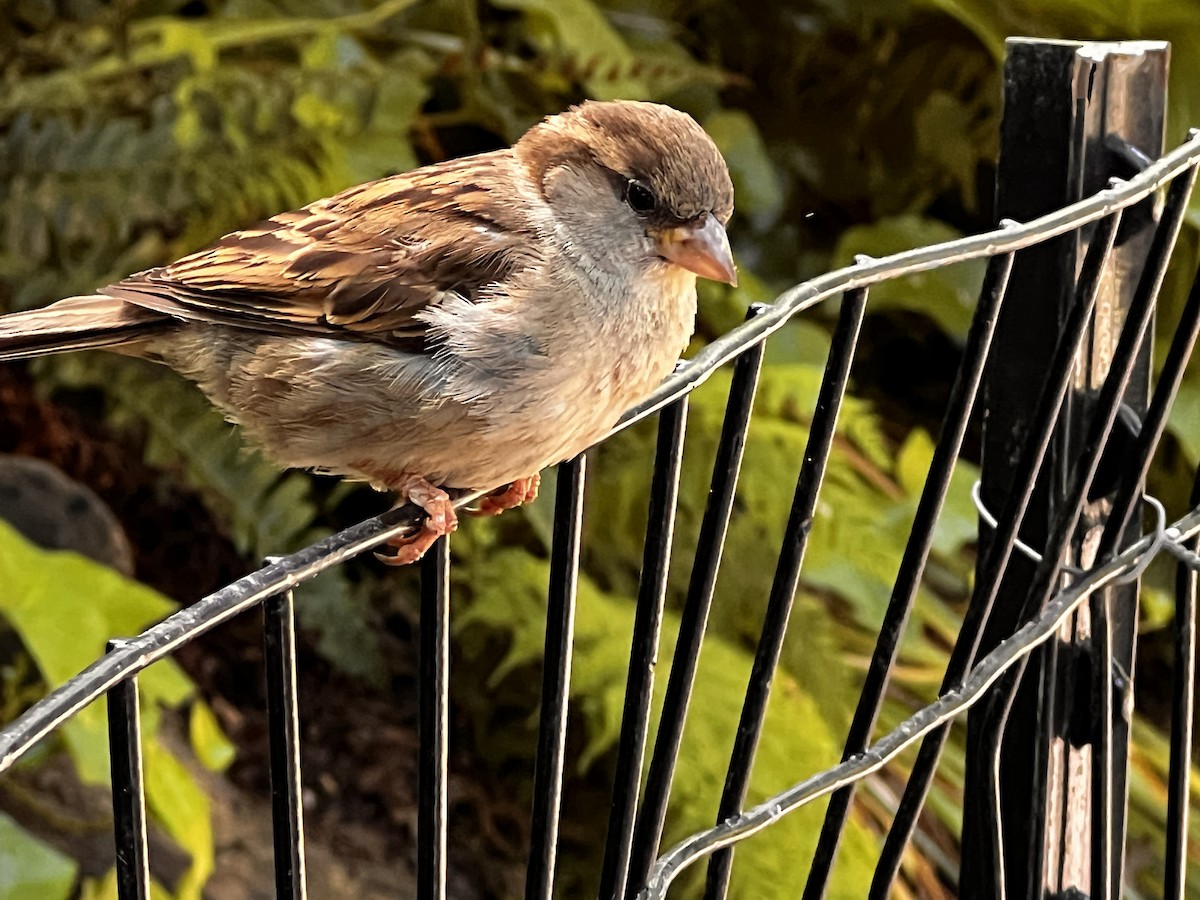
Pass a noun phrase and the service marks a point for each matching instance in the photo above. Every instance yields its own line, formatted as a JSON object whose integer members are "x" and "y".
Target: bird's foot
{"x": 440, "y": 519}
{"x": 523, "y": 490}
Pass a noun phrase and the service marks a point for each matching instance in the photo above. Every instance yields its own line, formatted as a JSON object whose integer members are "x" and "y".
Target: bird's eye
{"x": 639, "y": 197}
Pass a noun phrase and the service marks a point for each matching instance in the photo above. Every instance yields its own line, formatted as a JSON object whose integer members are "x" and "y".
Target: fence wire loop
{"x": 1171, "y": 538}
{"x": 1159, "y": 541}
{"x": 1026, "y": 550}
{"x": 949, "y": 705}
{"x": 1163, "y": 538}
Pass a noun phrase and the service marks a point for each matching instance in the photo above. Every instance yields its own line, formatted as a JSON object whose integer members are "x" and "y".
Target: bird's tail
{"x": 78, "y": 323}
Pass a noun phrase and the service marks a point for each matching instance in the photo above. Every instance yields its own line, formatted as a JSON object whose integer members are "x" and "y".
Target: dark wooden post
{"x": 1075, "y": 115}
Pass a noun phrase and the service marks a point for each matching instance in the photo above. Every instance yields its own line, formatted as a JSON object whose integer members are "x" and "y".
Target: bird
{"x": 455, "y": 328}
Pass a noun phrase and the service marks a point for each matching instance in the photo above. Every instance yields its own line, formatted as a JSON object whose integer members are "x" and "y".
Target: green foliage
{"x": 869, "y": 490}
{"x": 212, "y": 748}
{"x": 946, "y": 295}
{"x": 509, "y": 601}
{"x": 579, "y": 30}
{"x": 1149, "y": 764}
{"x": 180, "y": 805}
{"x": 1177, "y": 21}
{"x": 64, "y": 607}
{"x": 756, "y": 182}
{"x": 265, "y": 511}
{"x": 30, "y": 869}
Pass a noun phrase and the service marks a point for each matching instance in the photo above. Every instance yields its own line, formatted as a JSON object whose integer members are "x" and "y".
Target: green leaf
{"x": 943, "y": 127}
{"x": 722, "y": 308}
{"x": 181, "y": 38}
{"x": 1184, "y": 420}
{"x": 959, "y": 522}
{"x": 65, "y": 607}
{"x": 179, "y": 804}
{"x": 106, "y": 888}
{"x": 212, "y": 748}
{"x": 947, "y": 295}
{"x": 913, "y": 459}
{"x": 1119, "y": 20}
{"x": 383, "y": 146}
{"x": 31, "y": 869}
{"x": 400, "y": 92}
{"x": 318, "y": 114}
{"x": 578, "y": 30}
{"x": 756, "y": 181}
{"x": 800, "y": 342}
{"x": 346, "y": 630}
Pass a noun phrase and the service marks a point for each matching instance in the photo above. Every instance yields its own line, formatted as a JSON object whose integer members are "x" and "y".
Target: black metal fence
{"x": 1057, "y": 358}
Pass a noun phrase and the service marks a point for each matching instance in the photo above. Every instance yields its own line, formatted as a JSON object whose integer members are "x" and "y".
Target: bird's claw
{"x": 440, "y": 519}
{"x": 523, "y": 490}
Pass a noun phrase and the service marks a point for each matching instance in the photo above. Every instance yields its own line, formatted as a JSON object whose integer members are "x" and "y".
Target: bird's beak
{"x": 702, "y": 248}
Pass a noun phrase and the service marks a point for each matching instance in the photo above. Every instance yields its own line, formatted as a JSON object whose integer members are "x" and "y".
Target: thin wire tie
{"x": 1164, "y": 538}
{"x": 1171, "y": 539}
{"x": 986, "y": 515}
{"x": 1161, "y": 540}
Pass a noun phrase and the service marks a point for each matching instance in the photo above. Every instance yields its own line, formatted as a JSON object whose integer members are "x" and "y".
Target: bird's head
{"x": 638, "y": 183}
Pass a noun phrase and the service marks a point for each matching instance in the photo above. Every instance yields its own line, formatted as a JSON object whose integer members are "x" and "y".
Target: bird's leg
{"x": 440, "y": 519}
{"x": 523, "y": 490}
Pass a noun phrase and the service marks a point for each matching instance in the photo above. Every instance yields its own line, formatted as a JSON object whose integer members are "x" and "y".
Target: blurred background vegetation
{"x": 134, "y": 131}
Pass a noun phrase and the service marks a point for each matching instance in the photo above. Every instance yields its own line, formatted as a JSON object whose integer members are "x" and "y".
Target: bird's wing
{"x": 364, "y": 262}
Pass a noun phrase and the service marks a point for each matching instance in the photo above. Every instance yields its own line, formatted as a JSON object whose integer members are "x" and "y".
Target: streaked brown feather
{"x": 536, "y": 293}
{"x": 366, "y": 261}
{"x": 78, "y": 323}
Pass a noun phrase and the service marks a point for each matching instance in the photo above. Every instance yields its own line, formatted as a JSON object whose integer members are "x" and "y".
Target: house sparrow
{"x": 460, "y": 326}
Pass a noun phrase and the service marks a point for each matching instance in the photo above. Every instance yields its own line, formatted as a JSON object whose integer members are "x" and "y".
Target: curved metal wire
{"x": 286, "y": 572}
{"x": 282, "y": 574}
{"x": 943, "y": 710}
{"x": 1008, "y": 238}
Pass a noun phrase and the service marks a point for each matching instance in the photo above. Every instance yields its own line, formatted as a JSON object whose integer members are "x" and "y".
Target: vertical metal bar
{"x": 997, "y": 551}
{"x": 434, "y": 724}
{"x": 1131, "y": 110}
{"x": 556, "y": 680}
{"x": 916, "y": 553}
{"x": 1114, "y": 672}
{"x": 1039, "y": 169}
{"x": 1063, "y": 104}
{"x": 1182, "y": 700}
{"x": 694, "y": 620}
{"x": 994, "y": 715}
{"x": 984, "y": 737}
{"x": 128, "y": 788}
{"x": 787, "y": 576}
{"x": 283, "y": 725}
{"x": 643, "y": 654}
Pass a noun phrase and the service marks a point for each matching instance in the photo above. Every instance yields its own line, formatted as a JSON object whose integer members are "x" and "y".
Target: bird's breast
{"x": 600, "y": 353}
{"x": 512, "y": 388}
